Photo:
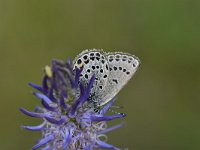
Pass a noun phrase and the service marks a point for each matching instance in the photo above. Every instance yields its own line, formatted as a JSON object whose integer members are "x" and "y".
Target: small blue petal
{"x": 31, "y": 114}
{"x": 62, "y": 102}
{"x": 43, "y": 97}
{"x": 87, "y": 92}
{"x": 82, "y": 89}
{"x": 51, "y": 93}
{"x": 106, "y": 118}
{"x": 107, "y": 106}
{"x": 48, "y": 107}
{"x": 47, "y": 148}
{"x": 64, "y": 93}
{"x": 35, "y": 86}
{"x": 43, "y": 142}
{"x": 54, "y": 121}
{"x": 57, "y": 71}
{"x": 68, "y": 137}
{"x": 106, "y": 145}
{"x": 77, "y": 76}
{"x": 83, "y": 96}
{"x": 77, "y": 103}
{"x": 71, "y": 79}
{"x": 35, "y": 128}
{"x": 62, "y": 78}
{"x": 69, "y": 62}
{"x": 111, "y": 128}
{"x": 88, "y": 147}
{"x": 45, "y": 84}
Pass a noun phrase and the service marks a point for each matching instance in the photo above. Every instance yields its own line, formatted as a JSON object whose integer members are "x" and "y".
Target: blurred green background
{"x": 161, "y": 102}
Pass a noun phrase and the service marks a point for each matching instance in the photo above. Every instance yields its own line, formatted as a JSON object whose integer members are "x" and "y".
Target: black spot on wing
{"x": 92, "y": 58}
{"x": 85, "y": 57}
{"x": 91, "y": 54}
{"x": 110, "y": 60}
{"x": 97, "y": 58}
{"x": 98, "y": 54}
{"x": 106, "y": 67}
{"x": 115, "y": 80}
{"x": 117, "y": 56}
{"x": 115, "y": 68}
{"x": 86, "y": 76}
{"x": 79, "y": 61}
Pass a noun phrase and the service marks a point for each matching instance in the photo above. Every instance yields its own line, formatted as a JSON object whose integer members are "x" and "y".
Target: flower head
{"x": 69, "y": 122}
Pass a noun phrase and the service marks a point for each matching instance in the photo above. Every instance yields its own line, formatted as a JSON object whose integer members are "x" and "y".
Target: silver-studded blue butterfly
{"x": 112, "y": 71}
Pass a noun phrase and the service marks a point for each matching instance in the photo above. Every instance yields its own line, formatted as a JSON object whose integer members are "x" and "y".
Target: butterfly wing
{"x": 122, "y": 66}
{"x": 95, "y": 63}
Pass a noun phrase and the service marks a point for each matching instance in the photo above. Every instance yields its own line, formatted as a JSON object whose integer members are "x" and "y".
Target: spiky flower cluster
{"x": 68, "y": 121}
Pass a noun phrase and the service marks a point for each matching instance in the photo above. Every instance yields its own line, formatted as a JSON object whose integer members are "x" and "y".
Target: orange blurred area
{"x": 162, "y": 100}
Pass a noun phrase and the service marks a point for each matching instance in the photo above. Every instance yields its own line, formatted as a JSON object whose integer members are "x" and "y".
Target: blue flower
{"x": 68, "y": 121}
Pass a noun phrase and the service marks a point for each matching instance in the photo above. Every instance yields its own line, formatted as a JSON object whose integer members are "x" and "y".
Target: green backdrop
{"x": 162, "y": 101}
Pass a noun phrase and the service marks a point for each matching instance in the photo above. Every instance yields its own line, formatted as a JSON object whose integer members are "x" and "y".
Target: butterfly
{"x": 112, "y": 72}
